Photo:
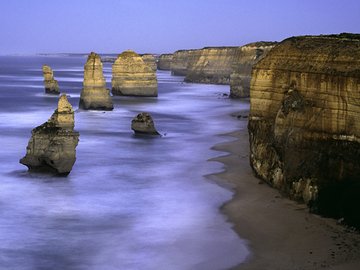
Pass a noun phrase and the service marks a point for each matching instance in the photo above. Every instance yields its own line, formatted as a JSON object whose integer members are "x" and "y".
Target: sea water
{"x": 130, "y": 202}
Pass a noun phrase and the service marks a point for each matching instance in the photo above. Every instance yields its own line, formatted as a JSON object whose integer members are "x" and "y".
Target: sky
{"x": 164, "y": 26}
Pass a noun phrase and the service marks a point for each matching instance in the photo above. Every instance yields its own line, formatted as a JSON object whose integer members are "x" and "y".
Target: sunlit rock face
{"x": 150, "y": 60}
{"x": 181, "y": 60}
{"x": 304, "y": 122}
{"x": 246, "y": 57}
{"x": 212, "y": 65}
{"x": 51, "y": 85}
{"x": 94, "y": 95}
{"x": 144, "y": 124}
{"x": 131, "y": 76}
{"x": 52, "y": 145}
{"x": 164, "y": 62}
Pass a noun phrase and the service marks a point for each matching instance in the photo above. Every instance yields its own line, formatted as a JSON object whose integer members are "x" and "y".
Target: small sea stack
{"x": 52, "y": 146}
{"x": 94, "y": 95}
{"x": 150, "y": 60}
{"x": 144, "y": 124}
{"x": 51, "y": 85}
{"x": 131, "y": 76}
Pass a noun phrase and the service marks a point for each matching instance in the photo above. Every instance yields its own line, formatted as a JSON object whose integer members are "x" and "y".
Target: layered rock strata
{"x": 94, "y": 95}
{"x": 164, "y": 62}
{"x": 132, "y": 77}
{"x": 304, "y": 122}
{"x": 150, "y": 60}
{"x": 246, "y": 56}
{"x": 53, "y": 144}
{"x": 212, "y": 65}
{"x": 144, "y": 124}
{"x": 180, "y": 62}
{"x": 51, "y": 85}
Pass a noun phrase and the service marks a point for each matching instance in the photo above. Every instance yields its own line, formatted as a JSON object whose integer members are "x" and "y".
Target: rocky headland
{"x": 304, "y": 123}
{"x": 164, "y": 62}
{"x": 51, "y": 85}
{"x": 246, "y": 57}
{"x": 212, "y": 65}
{"x": 181, "y": 60}
{"x": 94, "y": 95}
{"x": 53, "y": 144}
{"x": 150, "y": 60}
{"x": 131, "y": 76}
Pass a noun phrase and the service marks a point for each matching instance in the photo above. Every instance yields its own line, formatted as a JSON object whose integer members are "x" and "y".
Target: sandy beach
{"x": 281, "y": 233}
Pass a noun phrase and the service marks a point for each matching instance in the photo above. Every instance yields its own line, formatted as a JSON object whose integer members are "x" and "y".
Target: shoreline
{"x": 280, "y": 233}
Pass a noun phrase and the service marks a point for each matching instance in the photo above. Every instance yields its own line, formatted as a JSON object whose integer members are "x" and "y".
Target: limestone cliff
{"x": 150, "y": 60}
{"x": 181, "y": 60}
{"x": 304, "y": 122}
{"x": 246, "y": 56}
{"x": 52, "y": 145}
{"x": 94, "y": 95}
{"x": 164, "y": 62}
{"x": 51, "y": 85}
{"x": 132, "y": 77}
{"x": 212, "y": 65}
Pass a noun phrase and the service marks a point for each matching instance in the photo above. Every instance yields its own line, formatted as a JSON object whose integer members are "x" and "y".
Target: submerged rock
{"x": 132, "y": 77}
{"x": 144, "y": 124}
{"x": 52, "y": 144}
{"x": 94, "y": 95}
{"x": 51, "y": 85}
{"x": 304, "y": 122}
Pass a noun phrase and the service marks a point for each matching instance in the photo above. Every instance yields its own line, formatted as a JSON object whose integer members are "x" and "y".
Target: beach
{"x": 280, "y": 233}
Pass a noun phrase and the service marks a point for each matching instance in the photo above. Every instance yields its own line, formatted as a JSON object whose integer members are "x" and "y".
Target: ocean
{"x": 130, "y": 202}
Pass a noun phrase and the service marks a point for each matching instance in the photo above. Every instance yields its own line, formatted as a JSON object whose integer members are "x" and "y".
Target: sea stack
{"x": 94, "y": 95}
{"x": 246, "y": 57}
{"x": 51, "y": 85}
{"x": 52, "y": 145}
{"x": 144, "y": 124}
{"x": 150, "y": 60}
{"x": 304, "y": 122}
{"x": 164, "y": 62}
{"x": 132, "y": 77}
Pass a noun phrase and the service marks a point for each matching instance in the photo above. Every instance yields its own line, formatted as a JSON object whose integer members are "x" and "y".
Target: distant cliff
{"x": 164, "y": 62}
{"x": 181, "y": 60}
{"x": 246, "y": 57}
{"x": 150, "y": 60}
{"x": 212, "y": 65}
{"x": 304, "y": 122}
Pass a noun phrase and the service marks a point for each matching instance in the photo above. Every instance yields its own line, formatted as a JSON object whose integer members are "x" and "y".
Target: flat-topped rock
{"x": 304, "y": 122}
{"x": 51, "y": 85}
{"x": 52, "y": 145}
{"x": 94, "y": 95}
{"x": 181, "y": 60}
{"x": 144, "y": 124}
{"x": 131, "y": 76}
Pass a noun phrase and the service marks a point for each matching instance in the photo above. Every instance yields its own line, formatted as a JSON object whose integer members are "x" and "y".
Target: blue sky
{"x": 160, "y": 26}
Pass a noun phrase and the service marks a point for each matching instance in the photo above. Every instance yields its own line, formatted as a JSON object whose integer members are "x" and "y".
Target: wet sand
{"x": 281, "y": 233}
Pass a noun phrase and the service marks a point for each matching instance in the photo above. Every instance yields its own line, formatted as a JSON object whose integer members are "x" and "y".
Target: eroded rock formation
{"x": 51, "y": 85}
{"x": 132, "y": 77}
{"x": 246, "y": 56}
{"x": 212, "y": 65}
{"x": 181, "y": 60}
{"x": 144, "y": 124}
{"x": 164, "y": 62}
{"x": 304, "y": 122}
{"x": 52, "y": 145}
{"x": 94, "y": 95}
{"x": 150, "y": 60}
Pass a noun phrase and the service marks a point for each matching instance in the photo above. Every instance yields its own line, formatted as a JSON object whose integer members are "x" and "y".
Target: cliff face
{"x": 304, "y": 122}
{"x": 132, "y": 77}
{"x": 94, "y": 95}
{"x": 246, "y": 57}
{"x": 164, "y": 62}
{"x": 51, "y": 85}
{"x": 212, "y": 65}
{"x": 181, "y": 60}
{"x": 150, "y": 60}
{"x": 52, "y": 144}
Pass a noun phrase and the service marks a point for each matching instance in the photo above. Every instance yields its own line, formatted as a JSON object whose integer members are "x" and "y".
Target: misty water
{"x": 130, "y": 202}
